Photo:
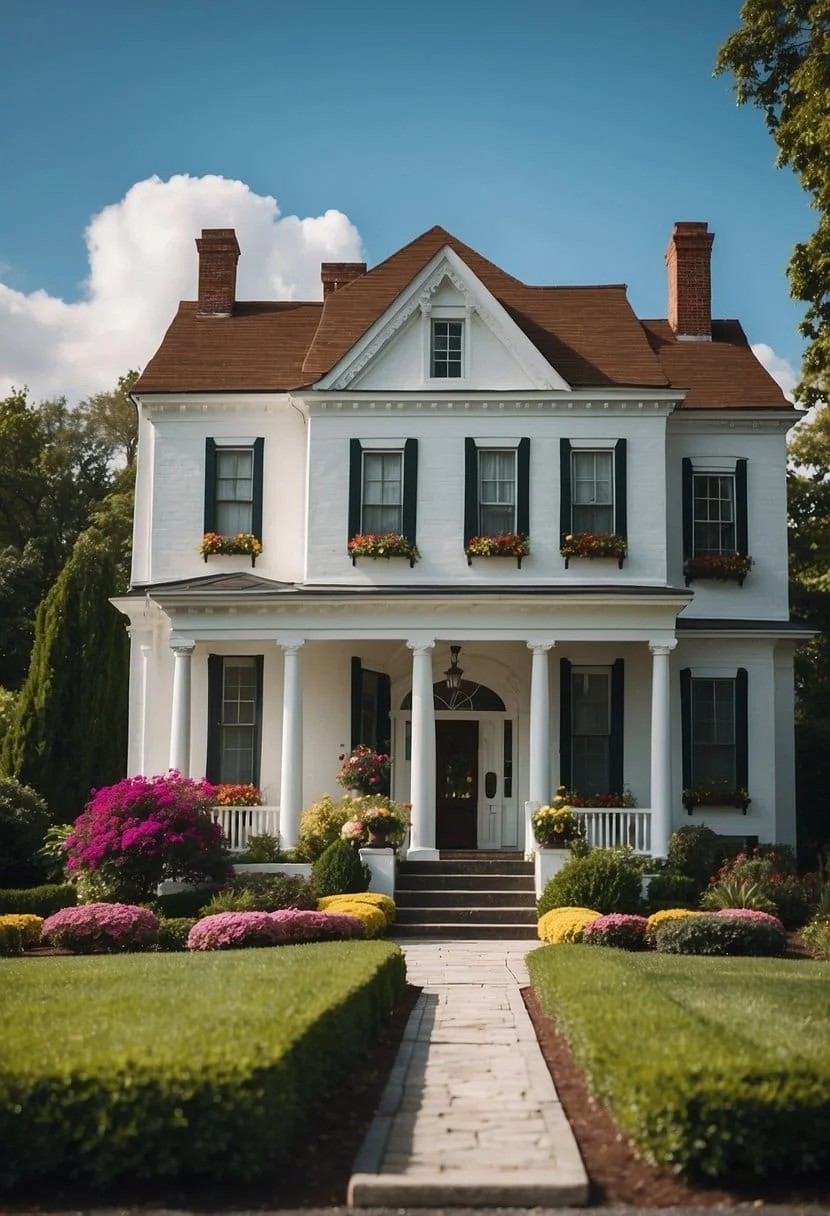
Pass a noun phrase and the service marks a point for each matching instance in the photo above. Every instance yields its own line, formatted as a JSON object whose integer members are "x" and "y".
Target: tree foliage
{"x": 780, "y": 61}
{"x": 112, "y": 418}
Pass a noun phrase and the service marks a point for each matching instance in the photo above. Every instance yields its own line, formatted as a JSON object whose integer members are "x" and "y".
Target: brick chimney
{"x": 338, "y": 274}
{"x": 688, "y": 258}
{"x": 218, "y": 254}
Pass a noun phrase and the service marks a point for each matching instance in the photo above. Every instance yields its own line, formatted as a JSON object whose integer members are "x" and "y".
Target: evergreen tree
{"x": 69, "y": 729}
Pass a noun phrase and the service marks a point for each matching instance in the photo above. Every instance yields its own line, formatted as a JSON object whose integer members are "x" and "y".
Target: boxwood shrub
{"x": 721, "y": 935}
{"x": 173, "y": 932}
{"x": 603, "y": 879}
{"x": 39, "y": 901}
{"x": 672, "y": 891}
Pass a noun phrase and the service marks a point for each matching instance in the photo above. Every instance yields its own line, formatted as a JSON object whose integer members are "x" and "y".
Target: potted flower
{"x": 365, "y": 771}
{"x": 717, "y": 794}
{"x": 555, "y": 827}
{"x": 382, "y": 544}
{"x": 378, "y": 822}
{"x": 623, "y": 801}
{"x": 594, "y": 544}
{"x": 244, "y": 542}
{"x": 505, "y": 544}
{"x": 238, "y": 795}
{"x": 721, "y": 566}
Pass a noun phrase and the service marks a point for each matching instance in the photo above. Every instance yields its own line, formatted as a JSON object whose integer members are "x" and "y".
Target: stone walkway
{"x": 470, "y": 1115}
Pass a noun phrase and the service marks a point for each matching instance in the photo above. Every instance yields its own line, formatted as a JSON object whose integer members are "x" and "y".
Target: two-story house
{"x": 630, "y": 633}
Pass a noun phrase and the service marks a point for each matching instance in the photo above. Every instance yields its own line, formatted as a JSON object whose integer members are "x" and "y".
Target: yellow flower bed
{"x": 29, "y": 926}
{"x": 373, "y": 919}
{"x": 659, "y": 918}
{"x": 384, "y": 903}
{"x": 564, "y": 925}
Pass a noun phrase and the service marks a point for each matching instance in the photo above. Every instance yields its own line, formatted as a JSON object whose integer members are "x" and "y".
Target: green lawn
{"x": 179, "y": 1064}
{"x": 718, "y": 1067}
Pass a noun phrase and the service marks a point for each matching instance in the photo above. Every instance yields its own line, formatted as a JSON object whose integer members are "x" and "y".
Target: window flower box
{"x": 507, "y": 544}
{"x": 244, "y": 542}
{"x": 716, "y": 795}
{"x": 594, "y": 544}
{"x": 721, "y": 566}
{"x": 382, "y": 544}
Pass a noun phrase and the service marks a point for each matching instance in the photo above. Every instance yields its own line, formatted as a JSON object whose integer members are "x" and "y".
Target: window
{"x": 447, "y": 350}
{"x": 382, "y": 506}
{"x": 714, "y": 514}
{"x": 496, "y": 492}
{"x": 234, "y": 718}
{"x": 233, "y": 486}
{"x": 592, "y": 508}
{"x": 713, "y": 733}
{"x": 591, "y": 730}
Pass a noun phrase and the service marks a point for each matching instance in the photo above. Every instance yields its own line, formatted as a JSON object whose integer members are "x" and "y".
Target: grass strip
{"x": 154, "y": 1066}
{"x": 716, "y": 1067}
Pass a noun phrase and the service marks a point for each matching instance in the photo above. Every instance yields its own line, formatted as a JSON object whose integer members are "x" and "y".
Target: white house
{"x": 438, "y": 398}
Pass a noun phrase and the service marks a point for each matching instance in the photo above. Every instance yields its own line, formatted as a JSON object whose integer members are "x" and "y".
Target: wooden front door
{"x": 456, "y": 794}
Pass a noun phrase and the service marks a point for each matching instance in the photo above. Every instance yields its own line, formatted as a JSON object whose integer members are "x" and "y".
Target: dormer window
{"x": 447, "y": 350}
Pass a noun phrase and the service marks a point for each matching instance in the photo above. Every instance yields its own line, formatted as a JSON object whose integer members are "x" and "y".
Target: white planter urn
{"x": 548, "y": 862}
{"x": 381, "y": 863}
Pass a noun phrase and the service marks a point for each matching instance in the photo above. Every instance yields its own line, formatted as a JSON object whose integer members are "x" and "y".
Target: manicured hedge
{"x": 745, "y": 933}
{"x": 39, "y": 901}
{"x": 164, "y": 1065}
{"x": 717, "y": 1068}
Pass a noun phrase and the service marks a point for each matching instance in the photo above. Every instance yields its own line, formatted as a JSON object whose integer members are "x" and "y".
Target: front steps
{"x": 466, "y": 895}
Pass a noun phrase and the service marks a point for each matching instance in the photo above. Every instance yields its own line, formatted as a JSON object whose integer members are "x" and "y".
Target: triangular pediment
{"x": 389, "y": 355}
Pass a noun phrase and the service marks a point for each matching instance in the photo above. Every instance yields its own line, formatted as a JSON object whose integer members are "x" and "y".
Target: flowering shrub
{"x": 383, "y": 544}
{"x": 102, "y": 927}
{"x": 294, "y": 925}
{"x": 666, "y": 914}
{"x": 817, "y": 936}
{"x": 29, "y": 926}
{"x": 244, "y": 542}
{"x": 717, "y": 565}
{"x": 322, "y": 821}
{"x": 594, "y": 544}
{"x": 234, "y": 931}
{"x": 136, "y": 833}
{"x": 562, "y": 925}
{"x": 755, "y": 880}
{"x": 625, "y": 932}
{"x": 238, "y": 795}
{"x": 385, "y": 903}
{"x": 364, "y": 770}
{"x": 761, "y": 918}
{"x": 506, "y": 544}
{"x": 371, "y": 918}
{"x": 720, "y": 935}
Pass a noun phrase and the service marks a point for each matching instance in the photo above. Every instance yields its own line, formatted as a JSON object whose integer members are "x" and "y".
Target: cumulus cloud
{"x": 779, "y": 368}
{"x": 142, "y": 261}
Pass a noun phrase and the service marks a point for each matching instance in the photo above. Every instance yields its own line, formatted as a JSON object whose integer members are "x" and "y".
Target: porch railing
{"x": 611, "y": 828}
{"x": 240, "y": 823}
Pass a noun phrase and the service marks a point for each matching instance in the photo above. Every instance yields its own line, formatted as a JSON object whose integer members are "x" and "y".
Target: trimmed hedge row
{"x": 695, "y": 1085}
{"x": 38, "y": 901}
{"x": 106, "y": 1081}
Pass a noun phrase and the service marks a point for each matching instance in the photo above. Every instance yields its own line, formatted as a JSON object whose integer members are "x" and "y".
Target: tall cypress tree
{"x": 69, "y": 730}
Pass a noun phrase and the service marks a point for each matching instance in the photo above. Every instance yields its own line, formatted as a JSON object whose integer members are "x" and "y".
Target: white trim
{"x": 714, "y": 673}
{"x": 594, "y": 445}
{"x": 714, "y": 464}
{"x": 497, "y": 443}
{"x": 383, "y": 445}
{"x": 224, "y": 441}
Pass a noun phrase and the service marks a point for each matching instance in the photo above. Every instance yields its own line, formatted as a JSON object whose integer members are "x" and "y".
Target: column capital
{"x": 662, "y": 648}
{"x": 180, "y": 645}
{"x": 146, "y": 648}
{"x": 290, "y": 643}
{"x": 540, "y": 647}
{"x": 417, "y": 646}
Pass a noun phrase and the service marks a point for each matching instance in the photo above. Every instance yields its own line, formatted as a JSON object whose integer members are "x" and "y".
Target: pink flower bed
{"x": 295, "y": 925}
{"x": 241, "y": 930}
{"x": 617, "y": 929}
{"x": 102, "y": 927}
{"x": 763, "y": 918}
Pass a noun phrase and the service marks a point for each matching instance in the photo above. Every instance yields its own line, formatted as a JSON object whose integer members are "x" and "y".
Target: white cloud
{"x": 142, "y": 261}
{"x": 779, "y": 368}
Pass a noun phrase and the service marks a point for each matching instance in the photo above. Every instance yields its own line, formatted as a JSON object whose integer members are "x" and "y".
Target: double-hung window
{"x": 715, "y": 726}
{"x": 381, "y": 507}
{"x": 496, "y": 491}
{"x": 233, "y": 486}
{"x": 592, "y": 481}
{"x": 591, "y": 730}
{"x": 713, "y": 529}
{"x": 234, "y": 718}
{"x": 446, "y": 350}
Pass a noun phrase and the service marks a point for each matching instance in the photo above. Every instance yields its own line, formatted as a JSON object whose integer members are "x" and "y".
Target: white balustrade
{"x": 240, "y": 823}
{"x": 612, "y": 827}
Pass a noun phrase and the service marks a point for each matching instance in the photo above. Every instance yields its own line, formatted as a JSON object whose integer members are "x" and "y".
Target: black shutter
{"x": 741, "y": 513}
{"x": 616, "y": 748}
{"x": 357, "y": 703}
{"x": 355, "y": 486}
{"x": 210, "y": 485}
{"x": 256, "y": 510}
{"x": 410, "y": 489}
{"x": 565, "y": 701}
{"x": 260, "y": 666}
{"x": 686, "y": 724}
{"x": 523, "y": 488}
{"x": 742, "y": 728}
{"x": 384, "y": 714}
{"x": 688, "y": 492}
{"x": 564, "y": 487}
{"x": 213, "y": 761}
{"x": 621, "y": 488}
{"x": 470, "y": 490}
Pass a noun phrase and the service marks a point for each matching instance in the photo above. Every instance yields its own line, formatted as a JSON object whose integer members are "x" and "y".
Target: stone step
{"x": 408, "y": 881}
{"x": 500, "y": 865}
{"x": 453, "y": 898}
{"x": 469, "y": 915}
{"x": 449, "y": 932}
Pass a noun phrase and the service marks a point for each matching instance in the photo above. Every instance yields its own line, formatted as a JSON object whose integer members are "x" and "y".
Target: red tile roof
{"x": 589, "y": 334}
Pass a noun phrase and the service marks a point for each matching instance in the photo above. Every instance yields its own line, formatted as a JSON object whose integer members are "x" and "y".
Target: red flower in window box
{"x": 720, "y": 566}
{"x": 382, "y": 544}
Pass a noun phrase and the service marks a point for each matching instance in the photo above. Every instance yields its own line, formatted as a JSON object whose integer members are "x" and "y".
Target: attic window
{"x": 447, "y": 350}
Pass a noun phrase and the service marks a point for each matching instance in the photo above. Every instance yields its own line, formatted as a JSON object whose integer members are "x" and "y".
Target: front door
{"x": 456, "y": 794}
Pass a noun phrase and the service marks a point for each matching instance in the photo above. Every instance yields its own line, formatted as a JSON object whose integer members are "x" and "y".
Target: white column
{"x": 422, "y": 787}
{"x": 661, "y": 796}
{"x": 180, "y": 719}
{"x": 291, "y": 772}
{"x": 539, "y": 766}
{"x": 146, "y": 651}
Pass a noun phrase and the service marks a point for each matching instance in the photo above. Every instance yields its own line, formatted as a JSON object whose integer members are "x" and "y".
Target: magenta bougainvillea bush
{"x": 102, "y": 928}
{"x": 132, "y": 835}
{"x": 618, "y": 929}
{"x": 243, "y": 930}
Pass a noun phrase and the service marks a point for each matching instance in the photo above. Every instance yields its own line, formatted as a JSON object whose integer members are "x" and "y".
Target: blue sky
{"x": 560, "y": 140}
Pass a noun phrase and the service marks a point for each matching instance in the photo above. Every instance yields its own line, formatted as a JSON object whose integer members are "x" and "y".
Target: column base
{"x": 423, "y": 854}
